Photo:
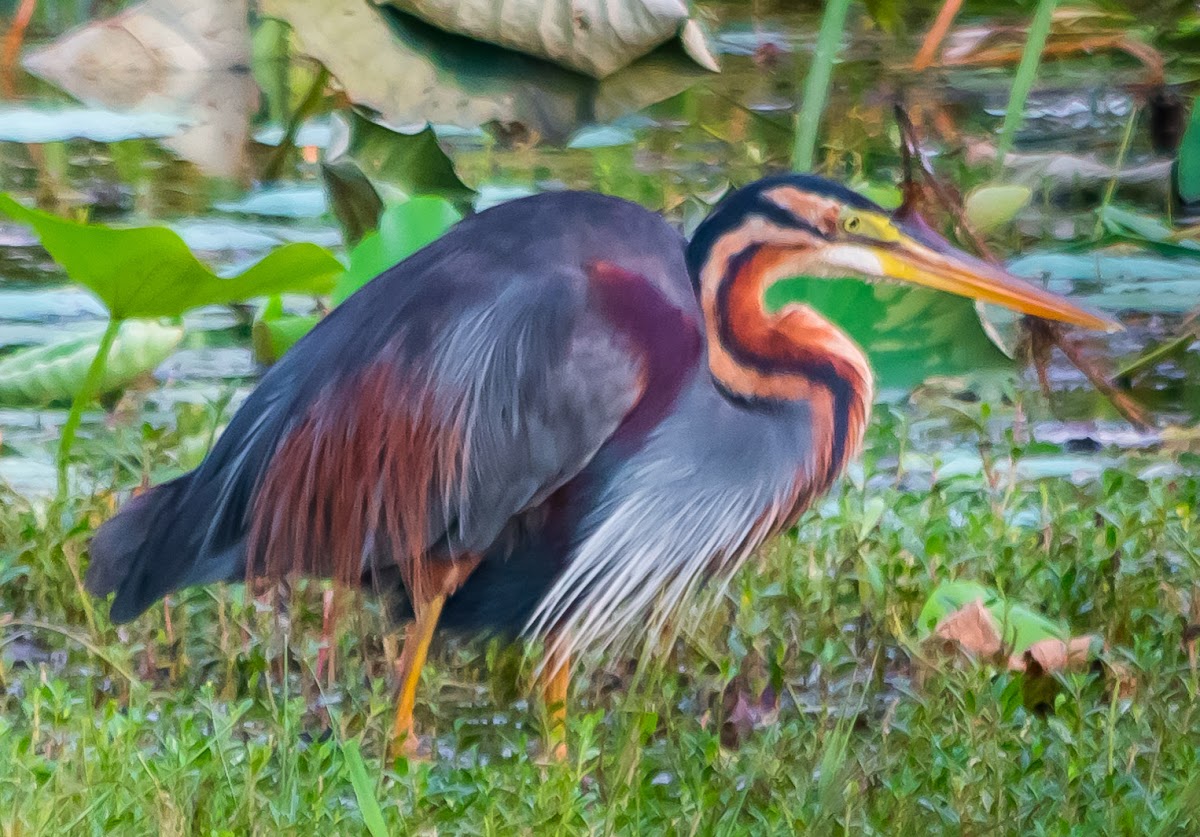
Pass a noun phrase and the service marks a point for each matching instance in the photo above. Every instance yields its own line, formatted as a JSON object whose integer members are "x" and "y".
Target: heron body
{"x": 559, "y": 418}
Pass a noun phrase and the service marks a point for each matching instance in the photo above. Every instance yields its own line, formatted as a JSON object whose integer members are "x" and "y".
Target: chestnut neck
{"x": 790, "y": 355}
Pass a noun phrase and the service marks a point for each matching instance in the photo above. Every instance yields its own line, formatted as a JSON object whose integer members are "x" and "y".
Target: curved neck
{"x": 792, "y": 355}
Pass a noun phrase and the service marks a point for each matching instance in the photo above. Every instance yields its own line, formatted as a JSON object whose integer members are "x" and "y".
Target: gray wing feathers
{"x": 534, "y": 410}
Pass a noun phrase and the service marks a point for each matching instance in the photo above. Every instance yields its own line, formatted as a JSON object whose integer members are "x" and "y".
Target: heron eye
{"x": 852, "y": 224}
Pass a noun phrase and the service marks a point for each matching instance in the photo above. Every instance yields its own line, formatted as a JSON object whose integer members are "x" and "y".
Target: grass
{"x": 212, "y": 721}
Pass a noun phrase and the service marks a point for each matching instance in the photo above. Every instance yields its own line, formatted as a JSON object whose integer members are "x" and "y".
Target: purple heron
{"x": 560, "y": 418}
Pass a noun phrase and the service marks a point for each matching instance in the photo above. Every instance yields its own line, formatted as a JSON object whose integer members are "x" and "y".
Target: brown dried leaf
{"x": 744, "y": 714}
{"x": 1050, "y": 656}
{"x": 973, "y": 629}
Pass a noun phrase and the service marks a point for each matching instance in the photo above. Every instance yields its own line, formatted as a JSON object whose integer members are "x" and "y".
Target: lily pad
{"x": 56, "y": 372}
{"x": 411, "y": 73}
{"x": 149, "y": 271}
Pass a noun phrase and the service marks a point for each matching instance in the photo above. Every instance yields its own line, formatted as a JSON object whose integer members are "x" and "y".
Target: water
{"x": 185, "y": 149}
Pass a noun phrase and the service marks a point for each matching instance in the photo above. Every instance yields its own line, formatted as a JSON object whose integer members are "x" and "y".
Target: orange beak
{"x": 921, "y": 257}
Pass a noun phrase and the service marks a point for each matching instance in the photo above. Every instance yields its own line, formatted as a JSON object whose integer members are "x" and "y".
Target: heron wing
{"x": 444, "y": 398}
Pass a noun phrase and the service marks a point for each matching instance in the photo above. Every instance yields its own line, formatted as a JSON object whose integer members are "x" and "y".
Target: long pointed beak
{"x": 922, "y": 257}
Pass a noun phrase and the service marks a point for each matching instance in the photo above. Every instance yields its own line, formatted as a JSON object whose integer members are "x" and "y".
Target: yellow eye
{"x": 870, "y": 225}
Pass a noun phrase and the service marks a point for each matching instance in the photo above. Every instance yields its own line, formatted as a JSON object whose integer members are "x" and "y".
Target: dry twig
{"x": 1043, "y": 333}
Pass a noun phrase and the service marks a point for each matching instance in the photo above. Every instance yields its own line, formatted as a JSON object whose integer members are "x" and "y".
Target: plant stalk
{"x": 937, "y": 34}
{"x": 86, "y": 393}
{"x": 1014, "y": 114}
{"x": 307, "y": 107}
{"x": 816, "y": 85}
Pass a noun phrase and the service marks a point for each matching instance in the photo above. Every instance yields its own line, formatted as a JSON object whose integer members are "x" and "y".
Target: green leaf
{"x": 1137, "y": 225}
{"x": 909, "y": 334}
{"x": 873, "y": 511}
{"x": 886, "y": 194}
{"x": 886, "y": 14}
{"x": 274, "y": 332}
{"x": 1020, "y": 626}
{"x": 1187, "y": 173}
{"x": 149, "y": 271}
{"x": 404, "y": 229}
{"x": 353, "y": 199}
{"x": 415, "y": 164}
{"x": 56, "y": 372}
{"x": 990, "y": 207}
{"x": 364, "y": 790}
{"x": 1159, "y": 353}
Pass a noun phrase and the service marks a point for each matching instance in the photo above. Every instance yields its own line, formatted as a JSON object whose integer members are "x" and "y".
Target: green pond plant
{"x": 148, "y": 273}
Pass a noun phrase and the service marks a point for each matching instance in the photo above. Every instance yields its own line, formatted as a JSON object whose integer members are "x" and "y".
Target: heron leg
{"x": 554, "y": 681}
{"x": 441, "y": 578}
{"x": 412, "y": 660}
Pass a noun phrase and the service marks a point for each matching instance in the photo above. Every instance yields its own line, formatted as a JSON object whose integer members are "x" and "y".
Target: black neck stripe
{"x": 820, "y": 371}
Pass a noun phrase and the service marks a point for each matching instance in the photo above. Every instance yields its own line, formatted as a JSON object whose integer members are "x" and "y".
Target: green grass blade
{"x": 1111, "y": 188}
{"x": 1014, "y": 114}
{"x": 816, "y": 85}
{"x": 364, "y": 790}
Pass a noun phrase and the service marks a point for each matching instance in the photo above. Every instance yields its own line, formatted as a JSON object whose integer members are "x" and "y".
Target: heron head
{"x": 820, "y": 229}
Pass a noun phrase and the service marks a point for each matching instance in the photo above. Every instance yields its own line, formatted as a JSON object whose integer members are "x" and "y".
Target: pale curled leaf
{"x": 596, "y": 37}
{"x": 411, "y": 74}
{"x": 56, "y": 372}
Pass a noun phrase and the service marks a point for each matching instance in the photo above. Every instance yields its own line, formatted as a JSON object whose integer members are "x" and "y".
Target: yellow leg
{"x": 554, "y": 683}
{"x": 412, "y": 660}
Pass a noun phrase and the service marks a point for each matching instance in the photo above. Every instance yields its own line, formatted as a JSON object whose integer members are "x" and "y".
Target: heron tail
{"x": 146, "y": 551}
